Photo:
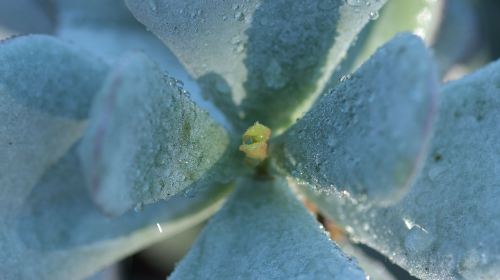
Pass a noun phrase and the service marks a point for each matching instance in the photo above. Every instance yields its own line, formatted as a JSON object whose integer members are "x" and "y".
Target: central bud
{"x": 255, "y": 141}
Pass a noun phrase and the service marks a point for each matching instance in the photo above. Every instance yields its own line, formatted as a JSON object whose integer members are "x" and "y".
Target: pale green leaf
{"x": 272, "y": 56}
{"x": 421, "y": 17}
{"x": 263, "y": 232}
{"x": 367, "y": 137}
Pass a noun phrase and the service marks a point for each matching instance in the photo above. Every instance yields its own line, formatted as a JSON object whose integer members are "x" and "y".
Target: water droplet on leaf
{"x": 418, "y": 240}
{"x": 373, "y": 15}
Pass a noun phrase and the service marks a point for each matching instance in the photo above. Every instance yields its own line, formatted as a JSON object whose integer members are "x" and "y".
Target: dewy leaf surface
{"x": 263, "y": 232}
{"x": 447, "y": 226}
{"x": 266, "y": 54}
{"x": 368, "y": 135}
{"x": 46, "y": 89}
{"x": 146, "y": 139}
{"x": 57, "y": 233}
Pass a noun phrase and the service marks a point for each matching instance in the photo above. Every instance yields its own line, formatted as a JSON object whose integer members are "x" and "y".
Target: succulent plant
{"x": 109, "y": 144}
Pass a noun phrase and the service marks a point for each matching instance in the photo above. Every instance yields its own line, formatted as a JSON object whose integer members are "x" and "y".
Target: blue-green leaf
{"x": 367, "y": 137}
{"x": 57, "y": 233}
{"x": 279, "y": 52}
{"x": 263, "y": 232}
{"x": 146, "y": 139}
{"x": 447, "y": 225}
{"x": 46, "y": 88}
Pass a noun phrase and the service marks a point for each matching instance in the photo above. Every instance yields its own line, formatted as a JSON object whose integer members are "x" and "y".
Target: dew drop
{"x": 331, "y": 140}
{"x": 239, "y": 16}
{"x": 138, "y": 207}
{"x": 153, "y": 6}
{"x": 472, "y": 262}
{"x": 345, "y": 78}
{"x": 418, "y": 240}
{"x": 373, "y": 15}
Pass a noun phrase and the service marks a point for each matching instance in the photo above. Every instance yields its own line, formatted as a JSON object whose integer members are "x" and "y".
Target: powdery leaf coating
{"x": 146, "y": 139}
{"x": 46, "y": 89}
{"x": 268, "y": 234}
{"x": 57, "y": 233}
{"x": 447, "y": 226}
{"x": 276, "y": 49}
{"x": 368, "y": 135}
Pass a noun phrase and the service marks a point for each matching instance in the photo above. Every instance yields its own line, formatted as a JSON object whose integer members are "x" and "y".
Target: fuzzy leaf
{"x": 146, "y": 139}
{"x": 420, "y": 17}
{"x": 277, "y": 49}
{"x": 107, "y": 29}
{"x": 57, "y": 233}
{"x": 447, "y": 225}
{"x": 263, "y": 232}
{"x": 368, "y": 135}
{"x": 45, "y": 92}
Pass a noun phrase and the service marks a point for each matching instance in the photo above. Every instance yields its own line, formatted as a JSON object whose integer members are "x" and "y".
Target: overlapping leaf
{"x": 368, "y": 135}
{"x": 447, "y": 226}
{"x": 420, "y": 17}
{"x": 147, "y": 140}
{"x": 57, "y": 233}
{"x": 46, "y": 88}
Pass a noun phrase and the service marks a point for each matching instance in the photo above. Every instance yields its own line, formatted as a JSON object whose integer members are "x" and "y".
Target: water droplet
{"x": 239, "y": 48}
{"x": 471, "y": 262}
{"x": 345, "y": 78}
{"x": 153, "y": 6}
{"x": 235, "y": 40}
{"x": 138, "y": 207}
{"x": 331, "y": 140}
{"x": 366, "y": 227}
{"x": 239, "y": 16}
{"x": 418, "y": 240}
{"x": 373, "y": 15}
